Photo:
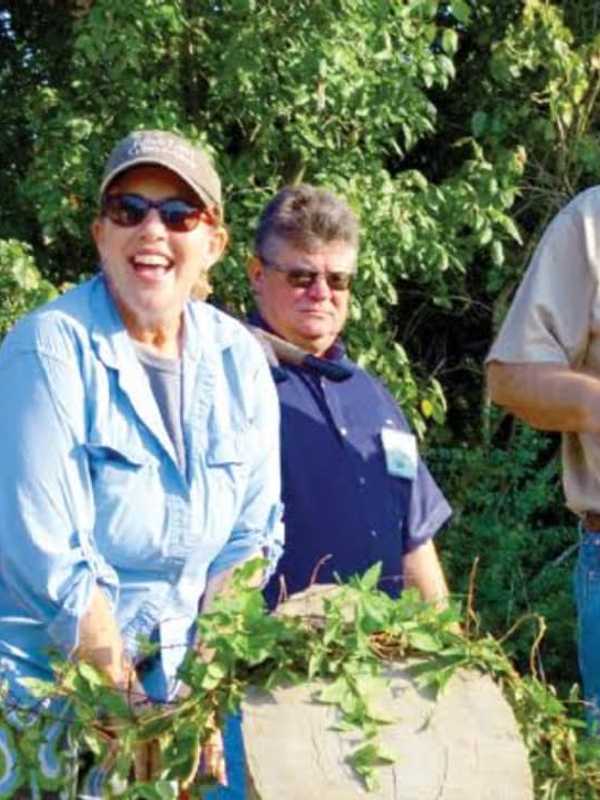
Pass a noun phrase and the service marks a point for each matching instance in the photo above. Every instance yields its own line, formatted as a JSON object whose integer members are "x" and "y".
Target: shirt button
{"x": 374, "y": 533}
{"x": 362, "y": 480}
{"x": 344, "y": 431}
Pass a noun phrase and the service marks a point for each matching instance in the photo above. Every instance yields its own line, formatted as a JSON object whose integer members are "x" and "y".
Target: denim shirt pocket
{"x": 225, "y": 450}
{"x": 116, "y": 455}
{"x": 226, "y": 460}
{"x": 130, "y": 505}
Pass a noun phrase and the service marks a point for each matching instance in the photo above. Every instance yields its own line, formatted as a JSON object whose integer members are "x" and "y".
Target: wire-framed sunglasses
{"x": 129, "y": 210}
{"x": 300, "y": 278}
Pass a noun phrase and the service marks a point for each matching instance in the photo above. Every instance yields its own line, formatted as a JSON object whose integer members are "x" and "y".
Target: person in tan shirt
{"x": 544, "y": 367}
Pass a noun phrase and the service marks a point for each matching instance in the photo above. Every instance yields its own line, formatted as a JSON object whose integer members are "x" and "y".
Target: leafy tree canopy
{"x": 456, "y": 130}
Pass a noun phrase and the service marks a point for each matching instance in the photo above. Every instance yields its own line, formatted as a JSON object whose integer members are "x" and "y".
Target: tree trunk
{"x": 463, "y": 746}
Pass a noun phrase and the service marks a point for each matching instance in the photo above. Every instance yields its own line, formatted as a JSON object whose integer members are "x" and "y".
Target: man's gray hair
{"x": 306, "y": 217}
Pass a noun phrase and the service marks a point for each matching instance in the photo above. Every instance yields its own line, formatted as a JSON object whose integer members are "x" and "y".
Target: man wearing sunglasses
{"x": 140, "y": 450}
{"x": 355, "y": 490}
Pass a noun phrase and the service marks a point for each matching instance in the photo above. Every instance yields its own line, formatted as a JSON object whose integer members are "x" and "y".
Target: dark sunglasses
{"x": 129, "y": 210}
{"x": 305, "y": 278}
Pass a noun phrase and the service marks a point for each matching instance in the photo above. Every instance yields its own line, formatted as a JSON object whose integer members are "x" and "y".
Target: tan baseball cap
{"x": 167, "y": 150}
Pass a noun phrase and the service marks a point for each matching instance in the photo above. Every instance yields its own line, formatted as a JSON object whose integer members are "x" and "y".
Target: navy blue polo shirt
{"x": 340, "y": 501}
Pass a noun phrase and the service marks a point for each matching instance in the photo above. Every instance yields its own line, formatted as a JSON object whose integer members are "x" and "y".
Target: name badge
{"x": 401, "y": 455}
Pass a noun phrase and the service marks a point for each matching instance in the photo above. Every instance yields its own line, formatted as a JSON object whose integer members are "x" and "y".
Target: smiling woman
{"x": 140, "y": 458}
{"x": 155, "y": 235}
{"x": 154, "y": 238}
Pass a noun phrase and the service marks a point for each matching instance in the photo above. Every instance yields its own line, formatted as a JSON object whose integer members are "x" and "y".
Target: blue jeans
{"x": 235, "y": 761}
{"x": 587, "y": 595}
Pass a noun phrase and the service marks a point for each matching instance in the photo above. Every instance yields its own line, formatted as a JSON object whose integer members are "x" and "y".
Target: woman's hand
{"x": 100, "y": 645}
{"x": 147, "y": 761}
{"x": 212, "y": 759}
{"x": 209, "y": 761}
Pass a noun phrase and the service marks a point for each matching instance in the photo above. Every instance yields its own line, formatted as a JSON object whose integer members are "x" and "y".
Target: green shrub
{"x": 513, "y": 540}
{"x": 22, "y": 288}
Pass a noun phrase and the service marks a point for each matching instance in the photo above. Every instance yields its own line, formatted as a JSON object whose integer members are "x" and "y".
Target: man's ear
{"x": 255, "y": 272}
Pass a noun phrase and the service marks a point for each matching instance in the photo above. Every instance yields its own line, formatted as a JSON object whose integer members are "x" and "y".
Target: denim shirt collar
{"x": 204, "y": 341}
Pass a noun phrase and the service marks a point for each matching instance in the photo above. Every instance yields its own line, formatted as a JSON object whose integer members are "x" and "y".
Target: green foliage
{"x": 338, "y": 93}
{"x": 21, "y": 285}
{"x": 564, "y": 761}
{"x": 508, "y": 527}
{"x": 248, "y": 647}
{"x": 455, "y": 129}
{"x": 541, "y": 92}
{"x": 360, "y": 630}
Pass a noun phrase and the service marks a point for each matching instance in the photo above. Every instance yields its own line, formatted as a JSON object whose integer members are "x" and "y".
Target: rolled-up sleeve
{"x": 258, "y": 528}
{"x": 48, "y": 560}
{"x": 550, "y": 317}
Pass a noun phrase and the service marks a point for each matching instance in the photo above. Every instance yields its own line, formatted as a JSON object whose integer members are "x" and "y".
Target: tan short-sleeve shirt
{"x": 555, "y": 318}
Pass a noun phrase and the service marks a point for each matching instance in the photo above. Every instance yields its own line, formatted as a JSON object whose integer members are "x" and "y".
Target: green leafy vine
{"x": 345, "y": 647}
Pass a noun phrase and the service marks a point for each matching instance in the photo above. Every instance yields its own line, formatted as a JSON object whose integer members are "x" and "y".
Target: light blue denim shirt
{"x": 90, "y": 490}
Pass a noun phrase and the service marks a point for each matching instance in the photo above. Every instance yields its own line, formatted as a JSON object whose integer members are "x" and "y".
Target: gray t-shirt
{"x": 164, "y": 375}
